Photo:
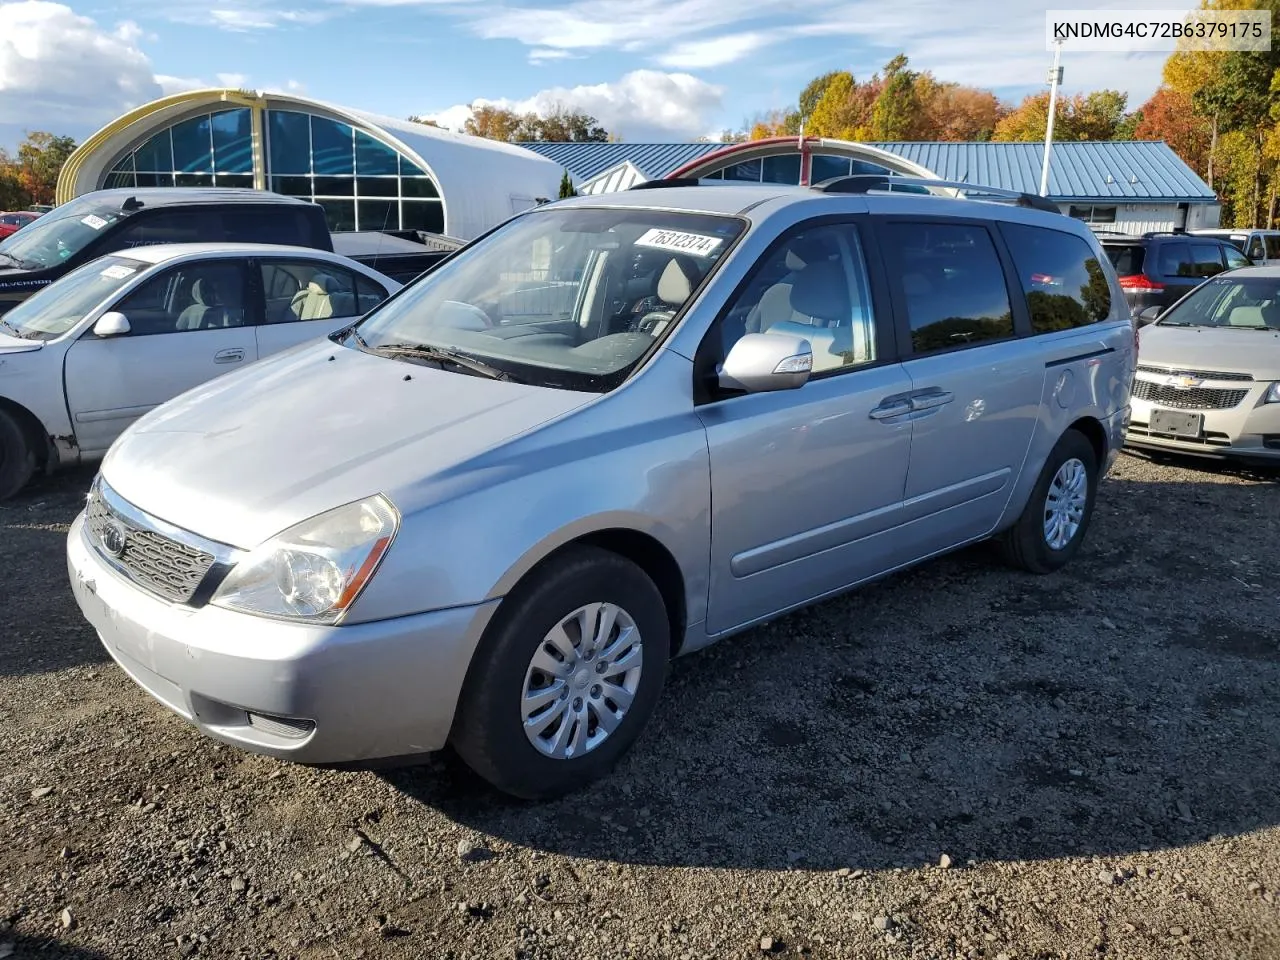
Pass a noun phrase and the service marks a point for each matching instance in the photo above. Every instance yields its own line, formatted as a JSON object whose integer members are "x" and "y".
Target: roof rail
{"x": 1175, "y": 232}
{"x": 868, "y": 182}
{"x": 662, "y": 184}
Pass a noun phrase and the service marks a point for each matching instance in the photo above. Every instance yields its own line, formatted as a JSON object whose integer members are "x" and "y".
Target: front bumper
{"x": 1248, "y": 430}
{"x": 303, "y": 692}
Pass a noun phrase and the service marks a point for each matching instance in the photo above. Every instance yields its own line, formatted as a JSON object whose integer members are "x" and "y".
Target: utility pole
{"x": 1055, "y": 78}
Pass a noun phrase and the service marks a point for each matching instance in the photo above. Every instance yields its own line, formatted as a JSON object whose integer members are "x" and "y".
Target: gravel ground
{"x": 958, "y": 762}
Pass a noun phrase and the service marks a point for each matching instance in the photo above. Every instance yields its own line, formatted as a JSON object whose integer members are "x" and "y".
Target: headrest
{"x": 677, "y": 282}
{"x": 204, "y": 292}
{"x": 322, "y": 283}
{"x": 804, "y": 250}
{"x": 820, "y": 291}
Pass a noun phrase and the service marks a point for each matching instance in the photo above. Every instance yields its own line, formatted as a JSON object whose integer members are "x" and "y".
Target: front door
{"x": 187, "y": 325}
{"x": 975, "y": 387}
{"x": 806, "y": 485}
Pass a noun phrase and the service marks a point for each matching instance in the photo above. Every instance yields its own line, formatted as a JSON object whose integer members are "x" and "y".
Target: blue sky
{"x": 649, "y": 69}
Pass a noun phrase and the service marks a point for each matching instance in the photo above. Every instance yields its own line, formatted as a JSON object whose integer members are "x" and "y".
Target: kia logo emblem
{"x": 113, "y": 538}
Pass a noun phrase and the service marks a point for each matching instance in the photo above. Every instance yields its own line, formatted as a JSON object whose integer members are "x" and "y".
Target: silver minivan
{"x": 612, "y": 431}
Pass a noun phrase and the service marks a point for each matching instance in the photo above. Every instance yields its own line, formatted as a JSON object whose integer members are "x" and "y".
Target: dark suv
{"x": 108, "y": 221}
{"x": 1157, "y": 269}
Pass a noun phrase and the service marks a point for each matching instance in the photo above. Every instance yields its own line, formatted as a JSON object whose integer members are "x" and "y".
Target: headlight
{"x": 1273, "y": 393}
{"x": 313, "y": 571}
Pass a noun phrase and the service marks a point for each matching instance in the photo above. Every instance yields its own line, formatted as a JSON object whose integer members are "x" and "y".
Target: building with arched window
{"x": 368, "y": 172}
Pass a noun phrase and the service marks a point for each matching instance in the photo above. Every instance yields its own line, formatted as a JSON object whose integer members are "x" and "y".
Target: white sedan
{"x": 93, "y": 352}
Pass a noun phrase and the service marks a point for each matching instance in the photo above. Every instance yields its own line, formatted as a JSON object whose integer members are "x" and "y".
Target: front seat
{"x": 823, "y": 315}
{"x": 322, "y": 298}
{"x": 675, "y": 285}
{"x": 206, "y": 309}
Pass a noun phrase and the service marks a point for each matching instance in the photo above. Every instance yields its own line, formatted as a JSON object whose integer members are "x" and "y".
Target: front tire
{"x": 565, "y": 677}
{"x": 1053, "y": 525}
{"x": 17, "y": 459}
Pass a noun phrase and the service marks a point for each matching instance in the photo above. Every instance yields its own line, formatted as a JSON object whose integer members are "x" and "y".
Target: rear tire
{"x": 542, "y": 710}
{"x": 1056, "y": 518}
{"x": 17, "y": 459}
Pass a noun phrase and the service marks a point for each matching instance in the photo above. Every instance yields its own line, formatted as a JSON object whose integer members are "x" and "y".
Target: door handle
{"x": 929, "y": 399}
{"x": 234, "y": 355}
{"x": 891, "y": 407}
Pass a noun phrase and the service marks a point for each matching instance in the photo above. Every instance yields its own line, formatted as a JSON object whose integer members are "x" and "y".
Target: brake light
{"x": 1139, "y": 281}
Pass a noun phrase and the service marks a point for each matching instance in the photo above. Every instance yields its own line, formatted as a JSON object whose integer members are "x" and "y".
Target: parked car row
{"x": 12, "y": 222}
{"x": 343, "y": 520}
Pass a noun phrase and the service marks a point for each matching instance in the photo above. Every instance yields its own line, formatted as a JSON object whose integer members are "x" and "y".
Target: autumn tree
{"x": 38, "y": 163}
{"x": 12, "y": 194}
{"x": 1171, "y": 116}
{"x": 415, "y": 118}
{"x": 493, "y": 123}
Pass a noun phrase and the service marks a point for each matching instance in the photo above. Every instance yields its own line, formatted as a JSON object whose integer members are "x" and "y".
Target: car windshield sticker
{"x": 118, "y": 272}
{"x": 692, "y": 243}
{"x": 94, "y": 221}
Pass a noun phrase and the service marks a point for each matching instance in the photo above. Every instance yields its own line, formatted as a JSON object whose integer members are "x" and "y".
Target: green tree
{"x": 834, "y": 115}
{"x": 566, "y": 186}
{"x": 1100, "y": 115}
{"x": 897, "y": 105}
{"x": 816, "y": 89}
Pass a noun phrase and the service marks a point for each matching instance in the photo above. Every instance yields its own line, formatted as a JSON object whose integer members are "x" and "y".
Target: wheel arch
{"x": 42, "y": 444}
{"x": 643, "y": 549}
{"x": 1096, "y": 434}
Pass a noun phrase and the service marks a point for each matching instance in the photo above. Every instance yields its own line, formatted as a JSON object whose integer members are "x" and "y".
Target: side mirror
{"x": 111, "y": 325}
{"x": 1149, "y": 315}
{"x": 761, "y": 362}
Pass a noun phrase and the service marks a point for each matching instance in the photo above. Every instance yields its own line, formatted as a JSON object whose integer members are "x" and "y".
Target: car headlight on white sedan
{"x": 1273, "y": 393}
{"x": 313, "y": 571}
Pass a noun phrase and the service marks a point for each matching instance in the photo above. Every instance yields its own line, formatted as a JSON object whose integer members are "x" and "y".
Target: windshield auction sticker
{"x": 695, "y": 244}
{"x": 94, "y": 221}
{"x": 118, "y": 272}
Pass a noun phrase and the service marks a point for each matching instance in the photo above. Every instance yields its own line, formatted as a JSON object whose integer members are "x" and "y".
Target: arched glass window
{"x": 362, "y": 183}
{"x": 785, "y": 168}
{"x": 211, "y": 149}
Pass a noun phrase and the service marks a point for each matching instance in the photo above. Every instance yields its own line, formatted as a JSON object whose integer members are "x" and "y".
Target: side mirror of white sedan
{"x": 111, "y": 325}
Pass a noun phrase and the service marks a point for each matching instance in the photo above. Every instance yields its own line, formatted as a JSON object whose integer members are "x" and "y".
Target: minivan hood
{"x": 250, "y": 454}
{"x": 1255, "y": 352}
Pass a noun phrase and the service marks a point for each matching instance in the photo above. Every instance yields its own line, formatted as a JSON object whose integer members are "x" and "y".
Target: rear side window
{"x": 953, "y": 283}
{"x": 266, "y": 224}
{"x": 1175, "y": 260}
{"x": 1206, "y": 259}
{"x": 1060, "y": 275}
{"x": 166, "y": 226}
{"x": 312, "y": 290}
{"x": 1273, "y": 246}
{"x": 1126, "y": 258}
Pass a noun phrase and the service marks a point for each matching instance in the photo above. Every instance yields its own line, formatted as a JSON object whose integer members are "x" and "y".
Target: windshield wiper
{"x": 441, "y": 355}
{"x": 11, "y": 258}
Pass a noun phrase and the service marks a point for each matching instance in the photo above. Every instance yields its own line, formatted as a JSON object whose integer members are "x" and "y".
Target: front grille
{"x": 1196, "y": 374}
{"x": 155, "y": 562}
{"x": 1210, "y": 438}
{"x": 289, "y": 727}
{"x": 1197, "y": 398}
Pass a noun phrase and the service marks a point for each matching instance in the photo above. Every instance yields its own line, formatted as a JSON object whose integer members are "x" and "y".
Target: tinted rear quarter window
{"x": 1206, "y": 259}
{"x": 275, "y": 223}
{"x": 1063, "y": 281}
{"x": 1174, "y": 260}
{"x": 1126, "y": 258}
{"x": 1273, "y": 246}
{"x": 164, "y": 226}
{"x": 953, "y": 284}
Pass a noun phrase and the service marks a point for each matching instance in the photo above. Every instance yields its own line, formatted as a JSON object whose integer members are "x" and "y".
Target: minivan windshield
{"x": 1236, "y": 301}
{"x": 60, "y": 306}
{"x": 567, "y": 297}
{"x": 59, "y": 235}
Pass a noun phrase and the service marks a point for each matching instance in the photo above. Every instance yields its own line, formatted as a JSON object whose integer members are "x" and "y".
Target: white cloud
{"x": 642, "y": 105}
{"x": 714, "y": 52}
{"x": 170, "y": 85}
{"x": 541, "y": 55}
{"x": 234, "y": 80}
{"x": 247, "y": 19}
{"x": 59, "y": 67}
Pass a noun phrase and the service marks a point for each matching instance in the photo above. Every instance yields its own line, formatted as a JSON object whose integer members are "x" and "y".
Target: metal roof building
{"x": 1133, "y": 186}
